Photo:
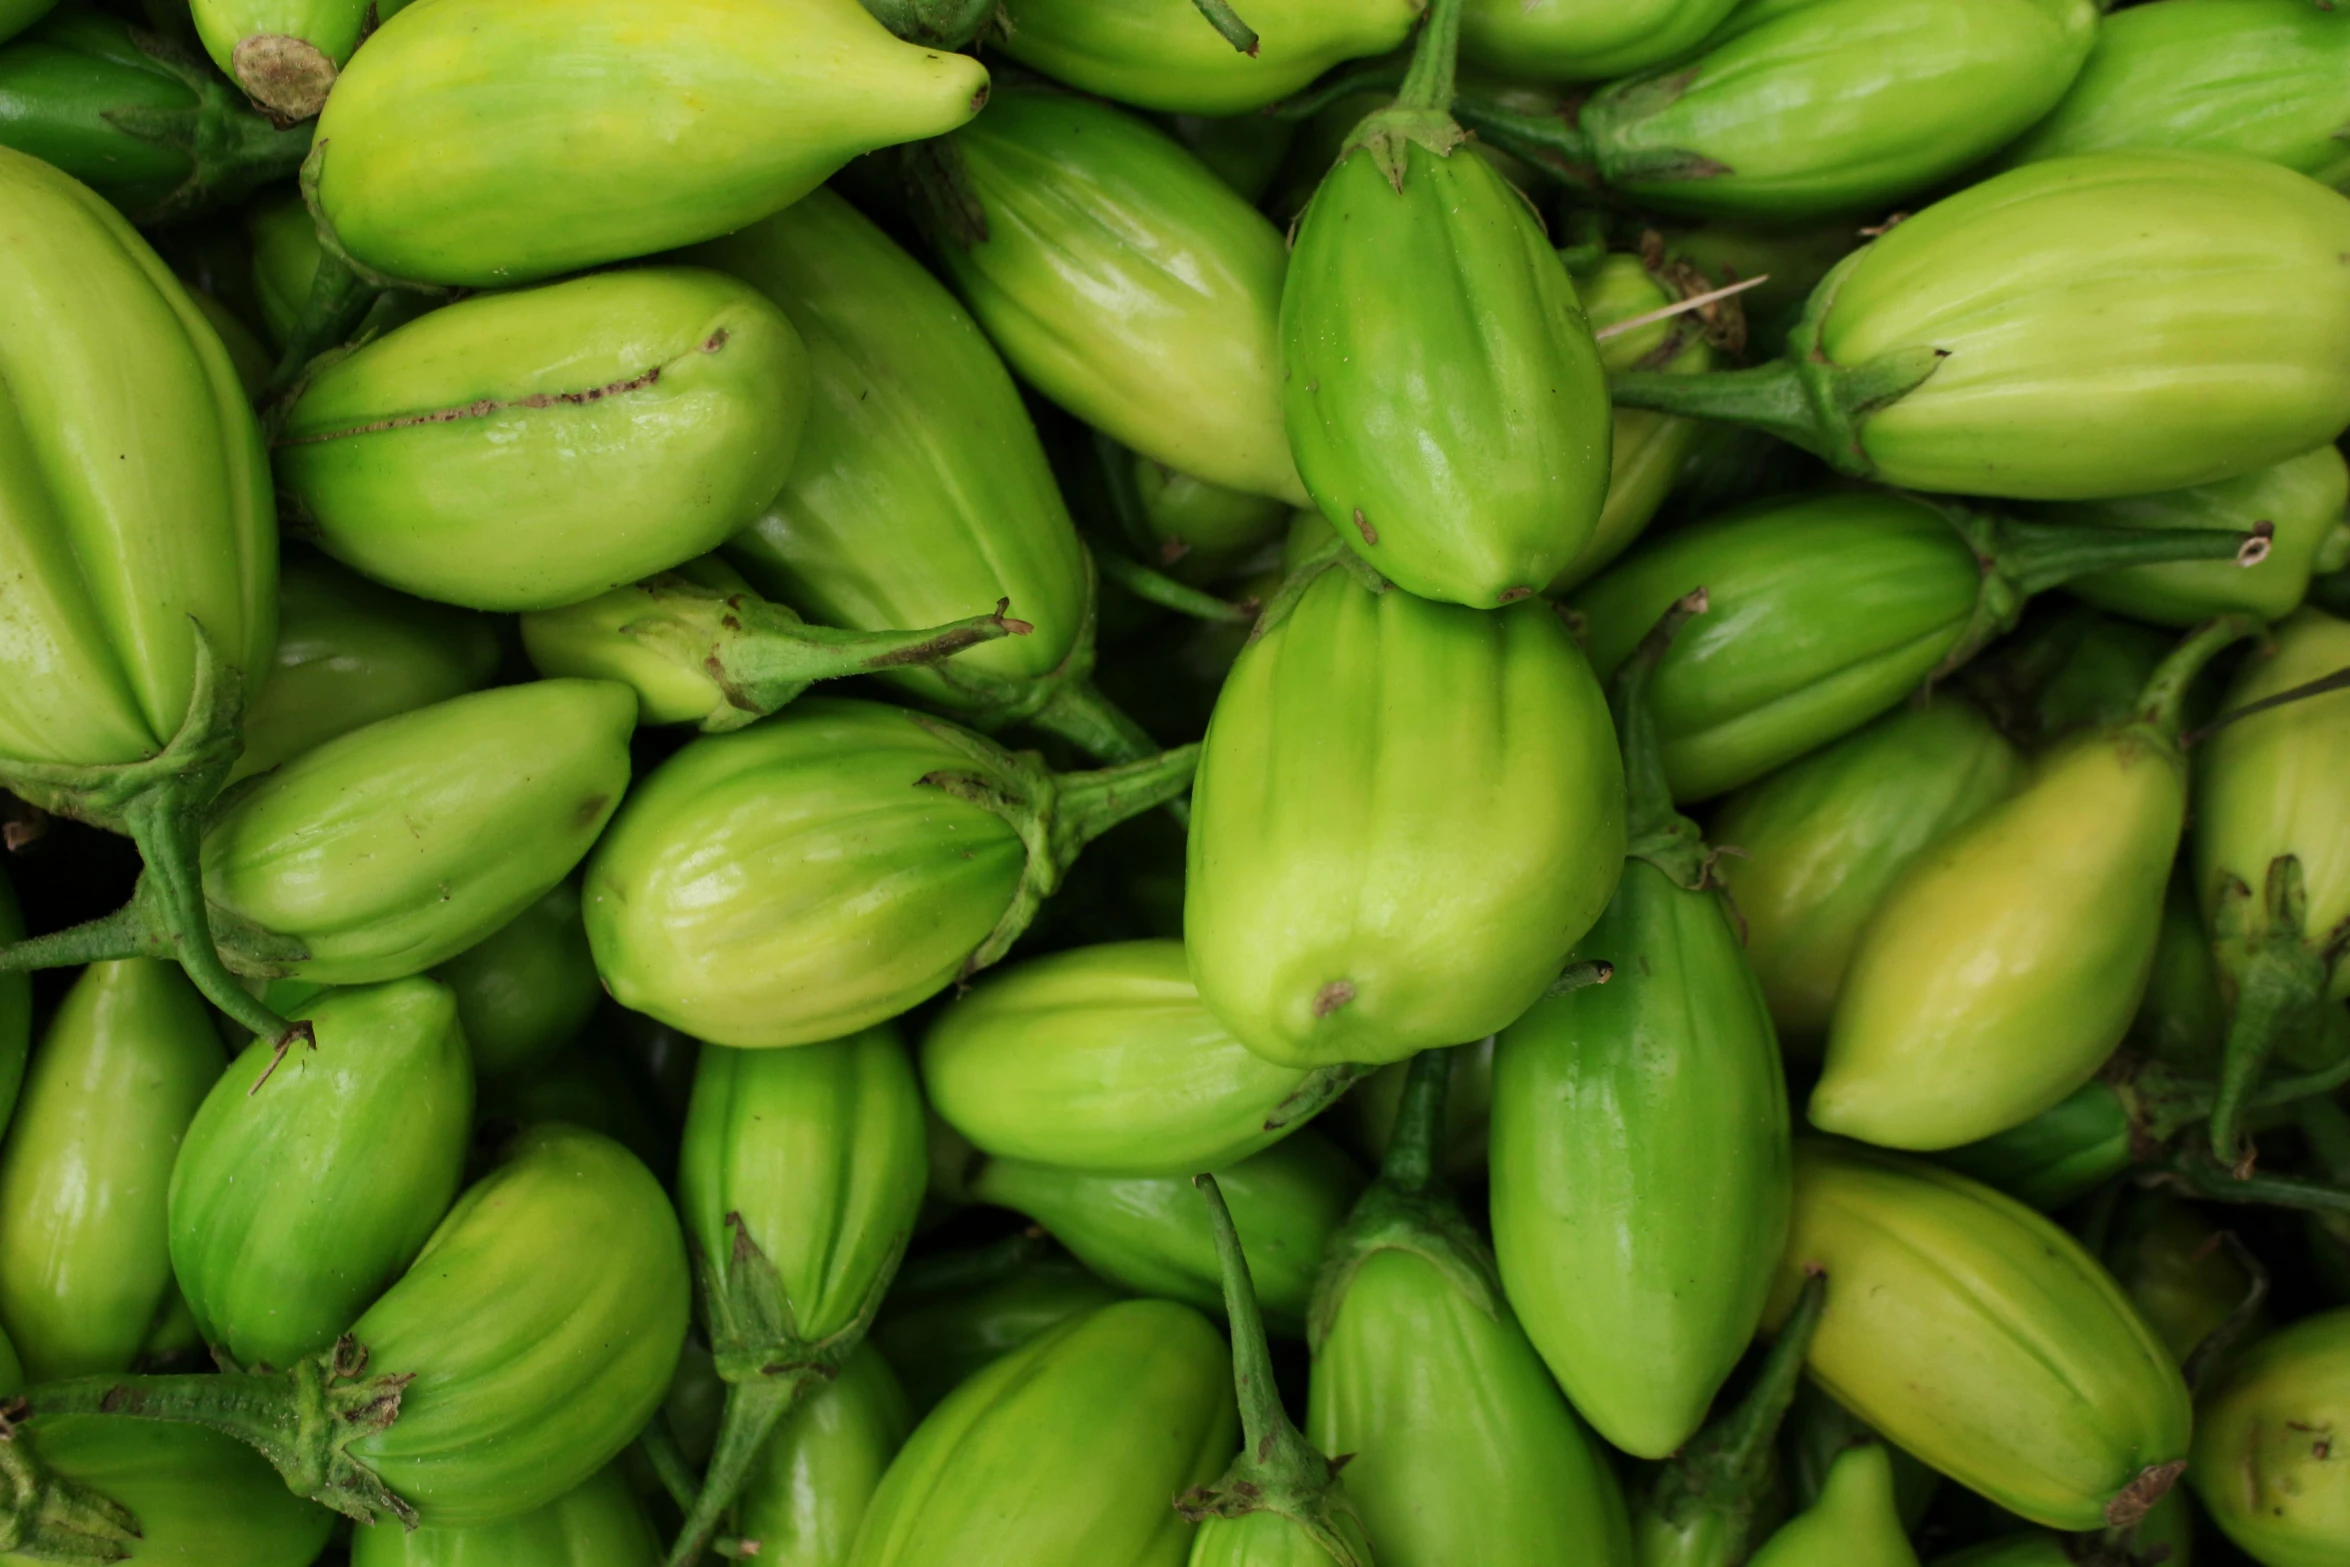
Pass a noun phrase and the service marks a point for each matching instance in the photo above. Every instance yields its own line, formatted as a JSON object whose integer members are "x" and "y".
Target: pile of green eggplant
{"x": 1175, "y": 783}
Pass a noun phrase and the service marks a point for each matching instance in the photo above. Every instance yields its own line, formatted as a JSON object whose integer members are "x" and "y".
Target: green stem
{"x": 1555, "y": 142}
{"x": 1235, "y": 32}
{"x": 1078, "y": 713}
{"x": 165, "y": 826}
{"x": 1658, "y": 834}
{"x": 2215, "y": 1345}
{"x": 1317, "y": 1093}
{"x": 1383, "y": 77}
{"x": 2162, "y": 701}
{"x": 659, "y": 1445}
{"x": 1435, "y": 60}
{"x": 2280, "y": 989}
{"x": 1727, "y": 1466}
{"x": 44, "y": 1518}
{"x": 1581, "y": 976}
{"x": 1770, "y": 397}
{"x": 1267, "y": 1433}
{"x": 753, "y": 1410}
{"x": 122, "y": 934}
{"x": 2323, "y": 685}
{"x": 1411, "y": 1162}
{"x": 1156, "y": 587}
{"x": 764, "y": 656}
{"x": 2038, "y": 556}
{"x": 2201, "y": 1176}
{"x": 1090, "y": 804}
{"x": 339, "y": 296}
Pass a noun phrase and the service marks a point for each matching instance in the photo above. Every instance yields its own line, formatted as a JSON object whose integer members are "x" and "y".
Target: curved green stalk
{"x": 1657, "y": 832}
{"x": 2281, "y": 984}
{"x": 45, "y": 1518}
{"x": 1235, "y": 32}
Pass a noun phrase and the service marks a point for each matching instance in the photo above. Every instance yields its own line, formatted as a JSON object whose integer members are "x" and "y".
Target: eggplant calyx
{"x": 47, "y": 1518}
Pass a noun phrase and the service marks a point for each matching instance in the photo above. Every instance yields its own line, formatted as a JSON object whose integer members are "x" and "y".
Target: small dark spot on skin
{"x": 1332, "y": 996}
{"x": 591, "y": 808}
{"x": 1512, "y": 595}
{"x": 1363, "y": 527}
{"x": 714, "y": 342}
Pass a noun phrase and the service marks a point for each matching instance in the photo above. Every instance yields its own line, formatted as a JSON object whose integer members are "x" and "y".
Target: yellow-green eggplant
{"x": 1445, "y": 399}
{"x": 138, "y": 118}
{"x": 2267, "y": 1439}
{"x": 140, "y": 544}
{"x": 1464, "y": 1449}
{"x": 1366, "y": 1116}
{"x": 1640, "y": 1131}
{"x": 2008, "y": 961}
{"x": 1066, "y": 1452}
{"x": 1126, "y": 282}
{"x": 1281, "y": 1503}
{"x": 830, "y": 867}
{"x": 2299, "y": 502}
{"x": 914, "y": 418}
{"x": 597, "y": 1524}
{"x": 950, "y": 1314}
{"x": 1855, "y": 1523}
{"x": 350, "y": 652}
{"x": 2265, "y": 78}
{"x": 16, "y": 1011}
{"x": 525, "y": 991}
{"x": 305, "y": 1185}
{"x": 200, "y": 1499}
{"x": 1584, "y": 40}
{"x": 816, "y": 1476}
{"x": 1149, "y": 1234}
{"x": 1407, "y": 814}
{"x": 528, "y": 450}
{"x": 2177, "y": 1270}
{"x": 1104, "y": 1059}
{"x": 1821, "y": 840}
{"x": 285, "y": 53}
{"x": 493, "y": 142}
{"x": 523, "y": 1349}
{"x": 800, "y": 1178}
{"x": 1162, "y": 54}
{"x": 1981, "y": 1338}
{"x": 699, "y": 645}
{"x": 1828, "y": 609}
{"x": 85, "y": 1262}
{"x": 1956, "y": 353}
{"x": 2272, "y": 855}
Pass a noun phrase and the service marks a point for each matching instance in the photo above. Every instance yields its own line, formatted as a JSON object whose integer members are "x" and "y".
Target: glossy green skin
{"x": 527, "y": 990}
{"x": 1822, "y": 839}
{"x": 1440, "y": 381}
{"x": 2220, "y": 343}
{"x": 1447, "y": 896}
{"x": 284, "y": 238}
{"x": 85, "y": 1272}
{"x": 1827, "y": 610}
{"x": 2272, "y": 785}
{"x": 1198, "y": 531}
{"x": 2303, "y": 498}
{"x": 1803, "y": 108}
{"x": 541, "y": 1322}
{"x": 1855, "y": 1522}
{"x": 319, "y": 35}
{"x": 912, "y": 418}
{"x": 936, "y": 1345}
{"x": 1162, "y": 54}
{"x": 2267, "y": 1443}
{"x": 201, "y": 1499}
{"x": 817, "y": 1474}
{"x": 1978, "y": 1336}
{"x": 1583, "y": 40}
{"x": 349, "y": 653}
{"x": 1150, "y": 1234}
{"x": 1262, "y": 1540}
{"x": 529, "y": 450}
{"x": 1129, "y": 284}
{"x": 400, "y": 845}
{"x": 1465, "y": 1451}
{"x": 2265, "y": 78}
{"x": 295, "y": 1200}
{"x": 1065, "y": 1453}
{"x": 597, "y": 1524}
{"x": 1103, "y": 1059}
{"x": 16, "y": 1011}
{"x": 2169, "y": 1260}
{"x": 2058, "y": 1156}
{"x": 790, "y": 883}
{"x": 17, "y": 15}
{"x": 589, "y": 133}
{"x": 820, "y": 1153}
{"x": 1640, "y": 1148}
{"x": 131, "y": 502}
{"x": 596, "y": 639}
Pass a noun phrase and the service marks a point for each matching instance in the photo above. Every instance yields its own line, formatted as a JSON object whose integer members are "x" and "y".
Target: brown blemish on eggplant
{"x": 1363, "y": 527}
{"x": 2137, "y": 1499}
{"x": 1332, "y": 996}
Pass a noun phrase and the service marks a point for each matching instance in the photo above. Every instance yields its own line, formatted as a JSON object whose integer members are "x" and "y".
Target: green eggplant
{"x": 1407, "y": 814}
{"x": 2266, "y": 78}
{"x": 1820, "y": 1430}
{"x": 1445, "y": 399}
{"x": 831, "y": 867}
{"x": 201, "y": 1499}
{"x": 2176, "y": 1271}
{"x": 524, "y": 1348}
{"x": 914, "y": 418}
{"x": 1125, "y": 281}
{"x": 1822, "y": 839}
{"x": 1162, "y": 55}
{"x": 2077, "y": 669}
{"x": 2302, "y": 500}
{"x": 139, "y": 119}
{"x": 1981, "y": 1338}
{"x": 800, "y": 1179}
{"x": 2008, "y": 962}
{"x": 1640, "y": 1132}
{"x": 1464, "y": 1449}
{"x": 85, "y": 1262}
{"x": 304, "y": 1186}
{"x": 1187, "y": 527}
{"x": 595, "y": 1524}
{"x": 1367, "y": 1113}
{"x": 284, "y": 270}
{"x": 1104, "y": 1059}
{"x": 528, "y": 450}
{"x": 1855, "y": 1523}
{"x": 16, "y": 1011}
{"x": 245, "y": 353}
{"x": 285, "y": 53}
{"x": 349, "y": 653}
{"x": 700, "y": 645}
{"x": 2058, "y": 1156}
{"x": 2272, "y": 856}
{"x": 1065, "y": 1452}
{"x": 1148, "y": 1234}
{"x": 526, "y": 991}
{"x": 1584, "y": 40}
{"x": 2265, "y": 1446}
{"x": 143, "y": 582}
{"x": 495, "y": 142}
{"x": 1829, "y": 609}
{"x": 948, "y": 1316}
{"x": 1955, "y": 352}
{"x": 816, "y": 1476}
{"x": 1281, "y": 1503}
{"x": 17, "y": 15}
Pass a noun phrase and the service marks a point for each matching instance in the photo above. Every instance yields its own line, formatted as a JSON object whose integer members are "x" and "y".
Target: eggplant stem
{"x": 753, "y": 1410}
{"x": 1226, "y": 22}
{"x": 2280, "y": 987}
{"x": 1726, "y": 1466}
{"x": 1428, "y": 83}
{"x": 2323, "y": 685}
{"x": 659, "y": 1445}
{"x": 2162, "y": 703}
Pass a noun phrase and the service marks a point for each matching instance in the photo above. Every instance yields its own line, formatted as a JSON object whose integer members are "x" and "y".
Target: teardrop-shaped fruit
{"x": 1855, "y": 1522}
{"x": 2266, "y": 1446}
{"x": 1162, "y": 54}
{"x": 1583, "y": 40}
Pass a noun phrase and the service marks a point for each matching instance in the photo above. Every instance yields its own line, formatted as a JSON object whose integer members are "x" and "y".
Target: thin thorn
{"x": 1693, "y": 302}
